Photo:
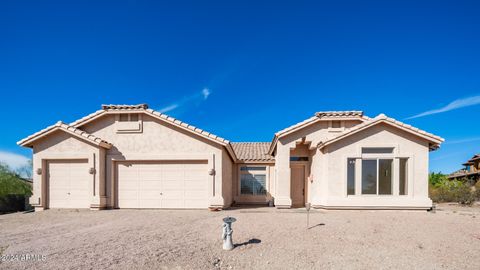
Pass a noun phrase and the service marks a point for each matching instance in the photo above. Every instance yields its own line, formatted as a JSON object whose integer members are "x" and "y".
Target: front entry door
{"x": 297, "y": 191}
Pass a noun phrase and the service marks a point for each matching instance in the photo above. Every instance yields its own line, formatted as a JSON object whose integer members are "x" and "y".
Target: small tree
{"x": 26, "y": 170}
{"x": 434, "y": 179}
{"x": 12, "y": 184}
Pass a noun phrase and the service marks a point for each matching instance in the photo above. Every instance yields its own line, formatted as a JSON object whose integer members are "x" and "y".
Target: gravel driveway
{"x": 266, "y": 238}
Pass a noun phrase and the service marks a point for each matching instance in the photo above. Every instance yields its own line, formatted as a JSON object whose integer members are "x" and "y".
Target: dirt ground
{"x": 266, "y": 238}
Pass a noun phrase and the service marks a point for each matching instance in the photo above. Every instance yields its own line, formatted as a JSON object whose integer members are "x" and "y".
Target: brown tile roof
{"x": 339, "y": 114}
{"x": 477, "y": 156}
{"x": 317, "y": 117}
{"x": 462, "y": 173}
{"x": 142, "y": 106}
{"x": 69, "y": 129}
{"x": 187, "y": 126}
{"x": 252, "y": 151}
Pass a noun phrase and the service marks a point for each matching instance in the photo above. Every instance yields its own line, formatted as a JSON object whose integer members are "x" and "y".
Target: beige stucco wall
{"x": 326, "y": 168}
{"x": 326, "y": 185}
{"x": 332, "y": 178}
{"x": 311, "y": 136}
{"x": 162, "y": 141}
{"x": 62, "y": 146}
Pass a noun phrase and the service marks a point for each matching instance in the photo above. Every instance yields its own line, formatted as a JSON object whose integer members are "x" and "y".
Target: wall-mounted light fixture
{"x": 211, "y": 172}
{"x": 310, "y": 178}
{"x": 39, "y": 171}
{"x": 91, "y": 171}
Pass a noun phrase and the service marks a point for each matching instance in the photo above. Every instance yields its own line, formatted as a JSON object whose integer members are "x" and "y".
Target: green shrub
{"x": 435, "y": 179}
{"x": 452, "y": 191}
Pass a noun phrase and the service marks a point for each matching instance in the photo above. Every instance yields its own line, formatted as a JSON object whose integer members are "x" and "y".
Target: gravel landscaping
{"x": 266, "y": 238}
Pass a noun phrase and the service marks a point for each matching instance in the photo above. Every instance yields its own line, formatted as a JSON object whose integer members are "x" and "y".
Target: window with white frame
{"x": 253, "y": 180}
{"x": 377, "y": 177}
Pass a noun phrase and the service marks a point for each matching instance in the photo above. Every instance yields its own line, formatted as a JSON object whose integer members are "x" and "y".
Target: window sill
{"x": 374, "y": 196}
{"x": 129, "y": 127}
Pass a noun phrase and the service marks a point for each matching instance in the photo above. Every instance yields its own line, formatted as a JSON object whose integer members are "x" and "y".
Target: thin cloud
{"x": 447, "y": 156}
{"x": 205, "y": 93}
{"x": 467, "y": 140}
{"x": 456, "y": 104}
{"x": 169, "y": 108}
{"x": 13, "y": 161}
{"x": 191, "y": 100}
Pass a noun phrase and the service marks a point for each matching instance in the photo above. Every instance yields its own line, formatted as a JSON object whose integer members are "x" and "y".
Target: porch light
{"x": 211, "y": 172}
{"x": 91, "y": 171}
{"x": 39, "y": 171}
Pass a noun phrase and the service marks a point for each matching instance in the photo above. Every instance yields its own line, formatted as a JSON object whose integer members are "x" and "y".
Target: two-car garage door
{"x": 162, "y": 184}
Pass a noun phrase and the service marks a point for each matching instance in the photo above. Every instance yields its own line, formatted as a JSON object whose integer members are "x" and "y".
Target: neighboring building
{"x": 471, "y": 169}
{"x": 129, "y": 156}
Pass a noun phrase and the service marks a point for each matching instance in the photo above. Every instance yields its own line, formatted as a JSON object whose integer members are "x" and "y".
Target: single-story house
{"x": 130, "y": 156}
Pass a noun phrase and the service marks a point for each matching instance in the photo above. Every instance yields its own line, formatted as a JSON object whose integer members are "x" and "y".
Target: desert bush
{"x": 477, "y": 190}
{"x": 452, "y": 191}
{"x": 464, "y": 195}
{"x": 477, "y": 185}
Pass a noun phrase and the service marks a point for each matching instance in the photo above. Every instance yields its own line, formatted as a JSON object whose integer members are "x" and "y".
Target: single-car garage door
{"x": 162, "y": 184}
{"x": 68, "y": 182}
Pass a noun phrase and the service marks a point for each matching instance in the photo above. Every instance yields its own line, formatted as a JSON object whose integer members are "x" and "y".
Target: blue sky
{"x": 241, "y": 69}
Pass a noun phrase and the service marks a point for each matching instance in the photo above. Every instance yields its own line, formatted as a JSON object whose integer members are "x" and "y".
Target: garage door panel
{"x": 145, "y": 203}
{"x": 173, "y": 194}
{"x": 69, "y": 184}
{"x": 59, "y": 204}
{"x": 78, "y": 194}
{"x": 173, "y": 185}
{"x": 173, "y": 203}
{"x": 149, "y": 185}
{"x": 175, "y": 181}
{"x": 196, "y": 185}
{"x": 172, "y": 176}
{"x": 195, "y": 194}
{"x": 191, "y": 203}
{"x": 150, "y": 194}
{"x": 79, "y": 184}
